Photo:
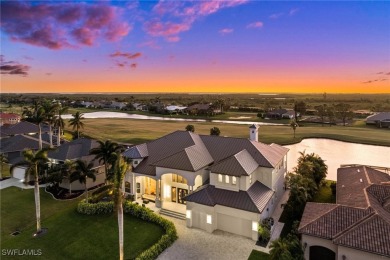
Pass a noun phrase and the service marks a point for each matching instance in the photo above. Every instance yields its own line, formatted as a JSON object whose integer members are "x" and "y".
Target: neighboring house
{"x": 218, "y": 182}
{"x": 74, "y": 150}
{"x": 140, "y": 107}
{"x": 202, "y": 109}
{"x": 86, "y": 104}
{"x": 175, "y": 109}
{"x": 12, "y": 147}
{"x": 23, "y": 127}
{"x": 9, "y": 118}
{"x": 381, "y": 119}
{"x": 117, "y": 105}
{"x": 280, "y": 113}
{"x": 357, "y": 226}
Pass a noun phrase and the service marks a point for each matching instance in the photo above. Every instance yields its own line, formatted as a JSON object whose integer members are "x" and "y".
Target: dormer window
{"x": 234, "y": 180}
{"x": 227, "y": 179}
{"x": 220, "y": 178}
{"x": 135, "y": 162}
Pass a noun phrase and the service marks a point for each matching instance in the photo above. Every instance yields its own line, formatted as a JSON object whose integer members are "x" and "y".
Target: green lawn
{"x": 138, "y": 131}
{"x": 257, "y": 255}
{"x": 70, "y": 234}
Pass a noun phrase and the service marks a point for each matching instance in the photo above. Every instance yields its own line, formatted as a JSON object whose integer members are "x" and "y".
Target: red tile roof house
{"x": 9, "y": 118}
{"x": 214, "y": 182}
{"x": 357, "y": 226}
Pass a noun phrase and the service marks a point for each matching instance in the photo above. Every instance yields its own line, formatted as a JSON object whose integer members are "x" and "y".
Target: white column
{"x": 158, "y": 195}
{"x": 134, "y": 188}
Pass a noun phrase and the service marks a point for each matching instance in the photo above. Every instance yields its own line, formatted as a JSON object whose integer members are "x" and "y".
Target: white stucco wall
{"x": 316, "y": 241}
{"x": 223, "y": 185}
{"x": 190, "y": 176}
{"x": 264, "y": 175}
{"x": 76, "y": 185}
{"x": 356, "y": 254}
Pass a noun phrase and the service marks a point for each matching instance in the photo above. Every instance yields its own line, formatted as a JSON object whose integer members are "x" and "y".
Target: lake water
{"x": 335, "y": 153}
{"x": 144, "y": 117}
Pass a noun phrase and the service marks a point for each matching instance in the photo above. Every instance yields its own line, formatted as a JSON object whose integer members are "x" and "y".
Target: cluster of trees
{"x": 304, "y": 183}
{"x": 341, "y": 111}
{"x": 213, "y": 131}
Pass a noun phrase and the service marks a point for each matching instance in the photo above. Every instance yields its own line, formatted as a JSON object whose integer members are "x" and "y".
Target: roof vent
{"x": 358, "y": 170}
{"x": 361, "y": 180}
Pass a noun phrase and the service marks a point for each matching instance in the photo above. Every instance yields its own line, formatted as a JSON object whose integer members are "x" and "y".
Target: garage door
{"x": 234, "y": 225}
{"x": 18, "y": 173}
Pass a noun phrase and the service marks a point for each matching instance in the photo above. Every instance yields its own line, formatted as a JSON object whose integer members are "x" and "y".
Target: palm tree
{"x": 76, "y": 122}
{"x": 105, "y": 152}
{"x": 34, "y": 162}
{"x": 68, "y": 170}
{"x": 37, "y": 116}
{"x": 280, "y": 250}
{"x": 59, "y": 122}
{"x": 293, "y": 125}
{"x": 83, "y": 171}
{"x": 4, "y": 160}
{"x": 50, "y": 109}
{"x": 120, "y": 168}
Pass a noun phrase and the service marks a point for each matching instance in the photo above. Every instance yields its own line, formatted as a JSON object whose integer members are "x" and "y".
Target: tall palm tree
{"x": 293, "y": 125}
{"x": 4, "y": 160}
{"x": 76, "y": 122}
{"x": 34, "y": 162}
{"x": 83, "y": 171}
{"x": 120, "y": 168}
{"x": 50, "y": 109}
{"x": 36, "y": 114}
{"x": 59, "y": 122}
{"x": 68, "y": 170}
{"x": 105, "y": 152}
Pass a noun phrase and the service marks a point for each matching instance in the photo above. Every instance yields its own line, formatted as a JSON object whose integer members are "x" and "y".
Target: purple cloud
{"x": 226, "y": 31}
{"x": 62, "y": 25}
{"x": 170, "y": 18}
{"x": 12, "y": 67}
{"x": 276, "y": 16}
{"x": 293, "y": 11}
{"x": 127, "y": 55}
{"x": 255, "y": 25}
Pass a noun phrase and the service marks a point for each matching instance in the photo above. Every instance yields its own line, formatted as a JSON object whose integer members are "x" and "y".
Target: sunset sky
{"x": 195, "y": 46}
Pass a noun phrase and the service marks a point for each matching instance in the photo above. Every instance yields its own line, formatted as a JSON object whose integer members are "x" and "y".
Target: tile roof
{"x": 351, "y": 182}
{"x": 240, "y": 164}
{"x": 73, "y": 150}
{"x": 378, "y": 117}
{"x": 363, "y": 221}
{"x": 19, "y": 143}
{"x": 8, "y": 115}
{"x": 253, "y": 200}
{"x": 188, "y": 151}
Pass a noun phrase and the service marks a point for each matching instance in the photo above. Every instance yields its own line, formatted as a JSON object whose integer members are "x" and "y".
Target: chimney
{"x": 254, "y": 133}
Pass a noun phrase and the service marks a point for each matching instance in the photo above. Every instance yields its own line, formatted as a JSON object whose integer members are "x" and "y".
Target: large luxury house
{"x": 357, "y": 226}
{"x": 221, "y": 183}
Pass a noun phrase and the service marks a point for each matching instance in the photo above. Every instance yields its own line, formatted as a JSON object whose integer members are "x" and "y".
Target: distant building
{"x": 280, "y": 114}
{"x": 175, "y": 109}
{"x": 356, "y": 227}
{"x": 9, "y": 118}
{"x": 202, "y": 109}
{"x": 381, "y": 119}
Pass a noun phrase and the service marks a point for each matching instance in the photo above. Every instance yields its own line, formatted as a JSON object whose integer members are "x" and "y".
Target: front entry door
{"x": 173, "y": 194}
{"x": 182, "y": 193}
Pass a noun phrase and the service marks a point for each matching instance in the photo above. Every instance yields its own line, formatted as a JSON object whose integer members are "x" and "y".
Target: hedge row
{"x": 95, "y": 208}
{"x": 140, "y": 212}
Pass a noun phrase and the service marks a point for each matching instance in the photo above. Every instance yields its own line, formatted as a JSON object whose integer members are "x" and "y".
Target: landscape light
{"x": 209, "y": 219}
{"x": 188, "y": 214}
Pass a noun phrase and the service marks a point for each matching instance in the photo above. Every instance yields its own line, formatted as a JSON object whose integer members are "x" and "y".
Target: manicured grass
{"x": 138, "y": 131}
{"x": 258, "y": 255}
{"x": 324, "y": 194}
{"x": 70, "y": 235}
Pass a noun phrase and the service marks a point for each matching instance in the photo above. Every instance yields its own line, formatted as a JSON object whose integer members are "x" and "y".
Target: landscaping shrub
{"x": 102, "y": 189}
{"x": 95, "y": 208}
{"x": 333, "y": 187}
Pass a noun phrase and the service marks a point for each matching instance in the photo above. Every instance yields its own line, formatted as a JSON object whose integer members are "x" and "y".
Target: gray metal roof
{"x": 240, "y": 164}
{"x": 23, "y": 127}
{"x": 74, "y": 149}
{"x": 19, "y": 143}
{"x": 378, "y": 117}
{"x": 253, "y": 200}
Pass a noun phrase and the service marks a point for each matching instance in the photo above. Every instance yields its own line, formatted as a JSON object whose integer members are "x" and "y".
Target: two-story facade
{"x": 218, "y": 182}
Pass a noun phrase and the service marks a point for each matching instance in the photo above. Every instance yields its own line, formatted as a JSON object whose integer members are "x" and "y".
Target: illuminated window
{"x": 220, "y": 177}
{"x": 179, "y": 179}
{"x": 250, "y": 178}
{"x": 255, "y": 225}
{"x": 209, "y": 219}
{"x": 188, "y": 214}
{"x": 234, "y": 180}
{"x": 226, "y": 179}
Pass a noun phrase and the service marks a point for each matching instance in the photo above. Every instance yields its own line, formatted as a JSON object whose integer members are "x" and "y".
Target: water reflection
{"x": 336, "y": 153}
